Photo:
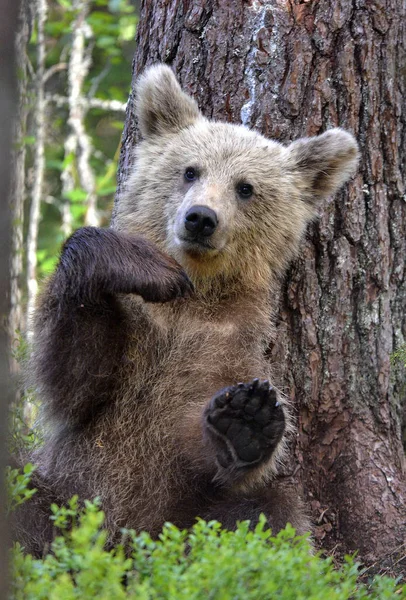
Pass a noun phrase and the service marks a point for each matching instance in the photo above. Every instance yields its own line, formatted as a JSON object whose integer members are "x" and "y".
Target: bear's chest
{"x": 182, "y": 355}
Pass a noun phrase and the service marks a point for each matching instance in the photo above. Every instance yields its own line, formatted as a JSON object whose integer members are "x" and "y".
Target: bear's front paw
{"x": 245, "y": 422}
{"x": 157, "y": 276}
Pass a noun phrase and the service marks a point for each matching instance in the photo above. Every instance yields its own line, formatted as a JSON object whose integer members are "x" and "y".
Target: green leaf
{"x": 17, "y": 485}
{"x": 76, "y": 195}
{"x": 55, "y": 164}
{"x": 68, "y": 160}
{"x": 78, "y": 212}
{"x": 67, "y": 4}
{"x": 48, "y": 266}
{"x": 106, "y": 41}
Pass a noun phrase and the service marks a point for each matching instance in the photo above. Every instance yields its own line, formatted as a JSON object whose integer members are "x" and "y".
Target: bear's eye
{"x": 245, "y": 190}
{"x": 190, "y": 174}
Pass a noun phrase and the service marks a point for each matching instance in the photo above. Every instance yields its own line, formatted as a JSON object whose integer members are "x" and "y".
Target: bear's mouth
{"x": 196, "y": 247}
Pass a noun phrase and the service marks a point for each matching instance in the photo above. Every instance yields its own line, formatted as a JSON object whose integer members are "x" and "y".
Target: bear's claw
{"x": 246, "y": 422}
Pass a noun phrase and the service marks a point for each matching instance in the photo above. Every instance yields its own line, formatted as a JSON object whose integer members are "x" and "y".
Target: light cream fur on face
{"x": 255, "y": 237}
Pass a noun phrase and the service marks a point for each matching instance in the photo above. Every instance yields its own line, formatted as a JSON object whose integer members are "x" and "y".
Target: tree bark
{"x": 290, "y": 68}
{"x": 39, "y": 162}
{"x": 16, "y": 322}
{"x": 8, "y": 100}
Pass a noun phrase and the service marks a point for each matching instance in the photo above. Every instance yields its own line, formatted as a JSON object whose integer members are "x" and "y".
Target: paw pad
{"x": 246, "y": 422}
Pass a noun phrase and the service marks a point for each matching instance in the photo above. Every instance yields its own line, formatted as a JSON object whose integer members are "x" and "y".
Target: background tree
{"x": 17, "y": 191}
{"x": 8, "y": 97}
{"x": 291, "y": 68}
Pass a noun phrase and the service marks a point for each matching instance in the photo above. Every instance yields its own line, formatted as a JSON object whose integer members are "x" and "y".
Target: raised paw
{"x": 99, "y": 262}
{"x": 245, "y": 422}
{"x": 161, "y": 278}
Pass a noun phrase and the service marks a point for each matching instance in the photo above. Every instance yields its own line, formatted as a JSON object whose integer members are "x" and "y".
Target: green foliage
{"x": 23, "y": 434}
{"x": 398, "y": 362}
{"x": 17, "y": 486}
{"x": 203, "y": 564}
{"x": 20, "y": 348}
{"x": 24, "y": 409}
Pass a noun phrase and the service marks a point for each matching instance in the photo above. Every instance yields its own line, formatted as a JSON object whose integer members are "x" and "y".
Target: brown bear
{"x": 150, "y": 337}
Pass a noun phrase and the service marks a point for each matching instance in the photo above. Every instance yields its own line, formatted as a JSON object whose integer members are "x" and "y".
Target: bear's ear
{"x": 162, "y": 107}
{"x": 322, "y": 164}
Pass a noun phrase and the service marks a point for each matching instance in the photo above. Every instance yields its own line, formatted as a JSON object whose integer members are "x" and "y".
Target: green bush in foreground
{"x": 205, "y": 563}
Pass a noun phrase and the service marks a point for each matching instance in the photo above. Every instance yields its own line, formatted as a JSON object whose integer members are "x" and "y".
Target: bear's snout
{"x": 200, "y": 221}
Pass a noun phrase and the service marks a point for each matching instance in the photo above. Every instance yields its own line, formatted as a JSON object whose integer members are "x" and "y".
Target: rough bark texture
{"x": 8, "y": 101}
{"x": 291, "y": 68}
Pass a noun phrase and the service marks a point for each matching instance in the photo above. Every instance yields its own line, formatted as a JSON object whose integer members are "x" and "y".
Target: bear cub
{"x": 150, "y": 337}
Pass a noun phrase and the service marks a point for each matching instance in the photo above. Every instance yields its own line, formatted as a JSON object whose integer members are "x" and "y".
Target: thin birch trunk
{"x": 78, "y": 142}
{"x": 39, "y": 161}
{"x": 16, "y": 322}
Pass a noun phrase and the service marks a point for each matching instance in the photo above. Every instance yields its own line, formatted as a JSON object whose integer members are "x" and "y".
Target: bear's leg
{"x": 278, "y": 501}
{"x": 245, "y": 423}
{"x": 81, "y": 330}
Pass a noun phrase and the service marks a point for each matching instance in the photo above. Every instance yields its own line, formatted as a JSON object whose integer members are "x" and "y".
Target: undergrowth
{"x": 204, "y": 563}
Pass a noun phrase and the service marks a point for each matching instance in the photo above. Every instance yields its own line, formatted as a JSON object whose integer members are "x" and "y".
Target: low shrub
{"x": 204, "y": 563}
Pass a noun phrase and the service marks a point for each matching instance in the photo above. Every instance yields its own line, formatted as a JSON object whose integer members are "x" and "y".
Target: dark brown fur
{"x": 138, "y": 369}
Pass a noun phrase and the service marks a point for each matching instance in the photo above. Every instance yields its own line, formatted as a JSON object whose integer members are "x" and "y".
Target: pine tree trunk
{"x": 291, "y": 68}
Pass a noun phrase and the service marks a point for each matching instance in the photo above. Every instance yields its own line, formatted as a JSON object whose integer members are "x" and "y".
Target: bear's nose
{"x": 201, "y": 220}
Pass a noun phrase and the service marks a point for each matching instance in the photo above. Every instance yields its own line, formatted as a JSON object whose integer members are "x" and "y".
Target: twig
{"x": 29, "y": 65}
{"x": 54, "y": 69}
{"x": 89, "y": 103}
{"x": 98, "y": 79}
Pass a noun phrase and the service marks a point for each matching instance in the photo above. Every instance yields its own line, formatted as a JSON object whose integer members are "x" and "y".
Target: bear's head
{"x": 224, "y": 201}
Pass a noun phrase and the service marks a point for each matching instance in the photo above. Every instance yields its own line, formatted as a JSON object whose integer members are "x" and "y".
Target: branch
{"x": 54, "y": 69}
{"x": 29, "y": 65}
{"x": 88, "y": 103}
{"x": 98, "y": 79}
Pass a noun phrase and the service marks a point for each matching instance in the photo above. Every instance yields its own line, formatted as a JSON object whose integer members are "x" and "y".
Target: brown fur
{"x": 127, "y": 356}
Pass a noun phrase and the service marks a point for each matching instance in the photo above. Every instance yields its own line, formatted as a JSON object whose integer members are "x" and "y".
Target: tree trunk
{"x": 291, "y": 68}
{"x": 16, "y": 321}
{"x": 8, "y": 25}
{"x": 39, "y": 161}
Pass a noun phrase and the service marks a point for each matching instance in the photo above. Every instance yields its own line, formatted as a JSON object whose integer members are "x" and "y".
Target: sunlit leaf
{"x": 76, "y": 195}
